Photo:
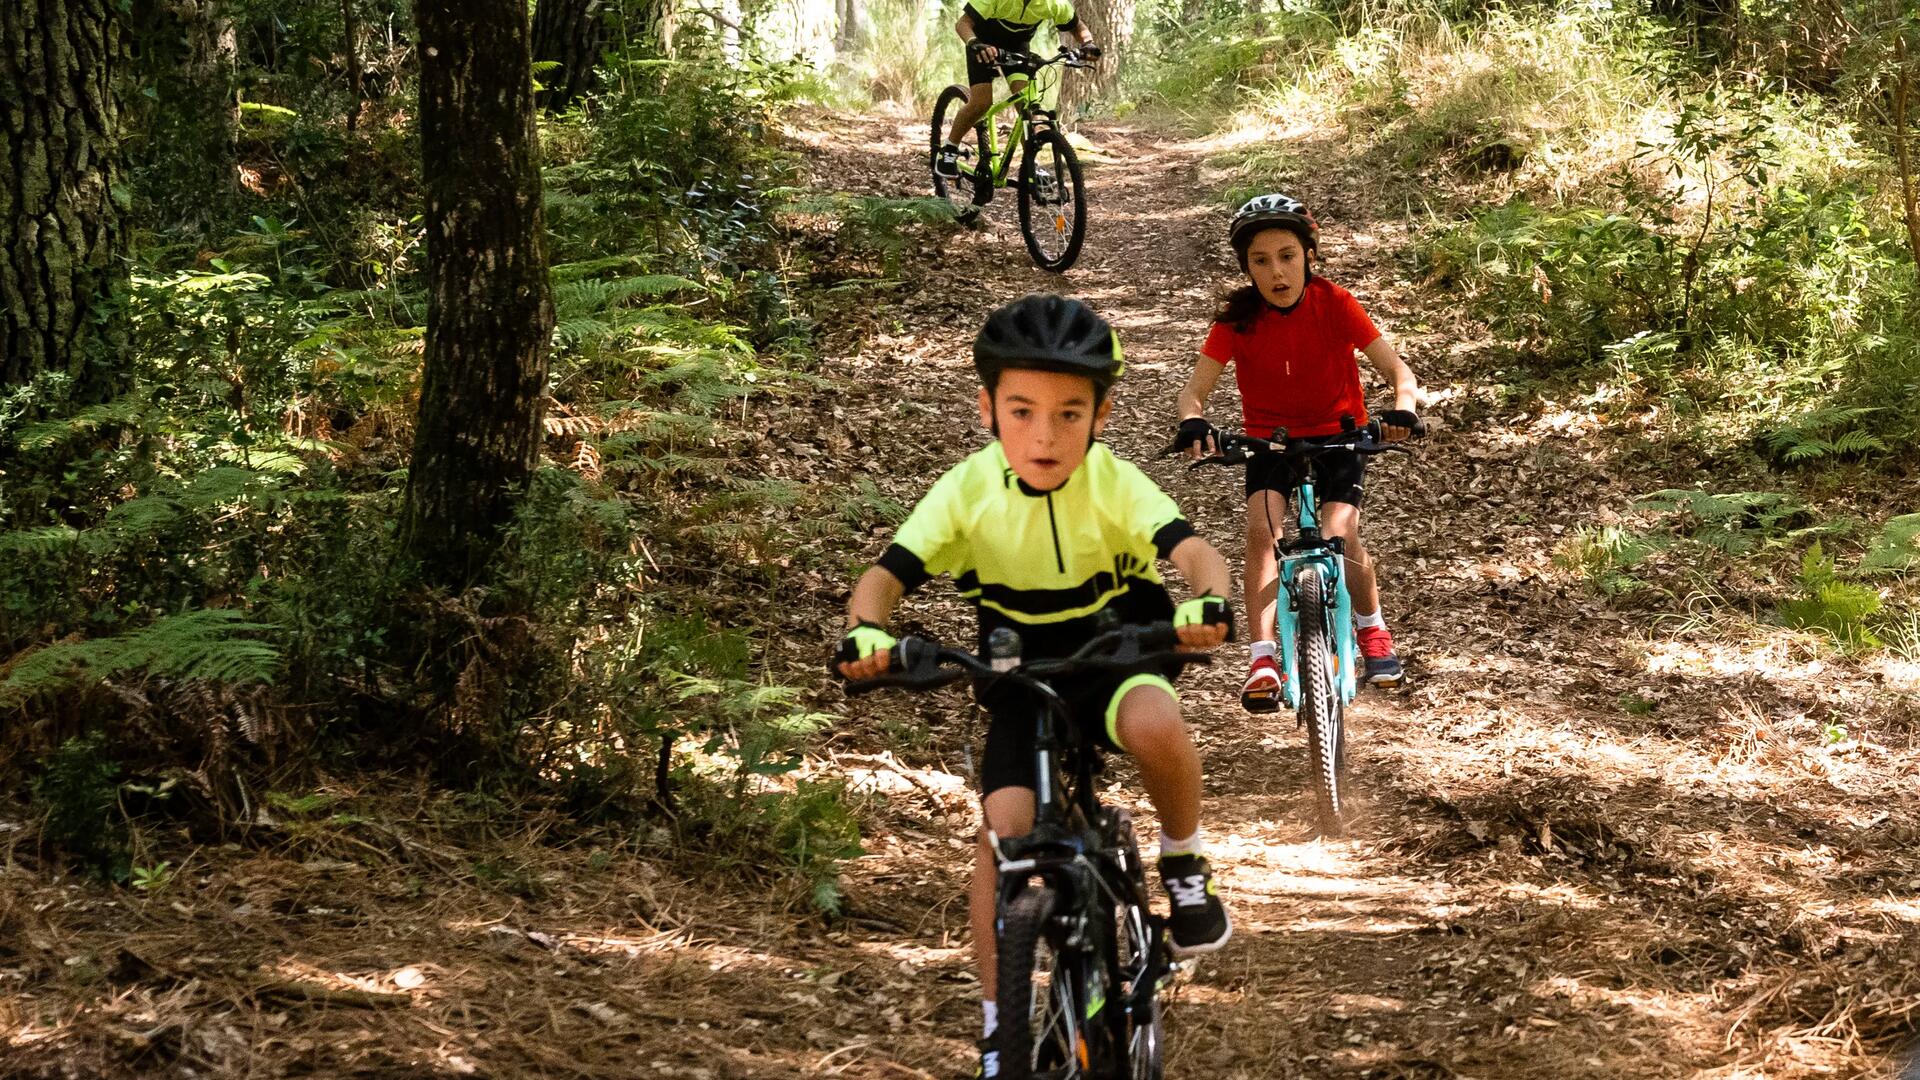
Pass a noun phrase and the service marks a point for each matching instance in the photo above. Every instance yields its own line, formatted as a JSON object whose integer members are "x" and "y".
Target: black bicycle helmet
{"x": 1271, "y": 212}
{"x": 1045, "y": 332}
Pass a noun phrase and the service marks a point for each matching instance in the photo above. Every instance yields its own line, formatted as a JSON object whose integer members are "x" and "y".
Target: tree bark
{"x": 489, "y": 311}
{"x": 571, "y": 34}
{"x": 356, "y": 79}
{"x": 62, "y": 198}
{"x": 846, "y": 30}
{"x": 1903, "y": 104}
{"x": 1111, "y": 22}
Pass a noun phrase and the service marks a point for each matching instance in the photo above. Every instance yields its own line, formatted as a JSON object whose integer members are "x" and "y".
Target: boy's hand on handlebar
{"x": 1197, "y": 437}
{"x": 984, "y": 52}
{"x": 1398, "y": 424}
{"x": 1203, "y": 622}
{"x": 1091, "y": 50}
{"x": 866, "y": 652}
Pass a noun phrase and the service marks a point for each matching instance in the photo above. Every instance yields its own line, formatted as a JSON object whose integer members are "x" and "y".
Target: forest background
{"x": 257, "y": 587}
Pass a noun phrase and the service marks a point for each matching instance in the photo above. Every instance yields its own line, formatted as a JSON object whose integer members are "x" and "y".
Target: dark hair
{"x": 1240, "y": 308}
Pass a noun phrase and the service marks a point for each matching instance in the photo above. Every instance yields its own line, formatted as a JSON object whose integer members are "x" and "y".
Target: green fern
{"x": 210, "y": 645}
{"x": 1897, "y": 548}
{"x": 1837, "y": 608}
{"x": 1828, "y": 432}
{"x": 1736, "y": 522}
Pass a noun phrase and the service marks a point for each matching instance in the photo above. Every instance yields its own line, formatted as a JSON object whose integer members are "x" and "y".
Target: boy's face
{"x": 1046, "y": 421}
{"x": 1277, "y": 263}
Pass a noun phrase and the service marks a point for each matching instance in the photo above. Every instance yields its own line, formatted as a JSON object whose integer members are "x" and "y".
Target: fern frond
{"x": 212, "y": 645}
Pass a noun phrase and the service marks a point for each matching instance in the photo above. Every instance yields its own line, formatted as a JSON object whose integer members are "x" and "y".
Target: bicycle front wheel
{"x": 1038, "y": 1035}
{"x": 974, "y": 182}
{"x": 1053, "y": 202}
{"x": 1320, "y": 702}
{"x": 1135, "y": 978}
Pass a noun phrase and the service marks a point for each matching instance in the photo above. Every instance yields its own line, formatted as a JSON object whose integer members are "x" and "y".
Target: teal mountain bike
{"x": 1081, "y": 954}
{"x": 1053, "y": 201}
{"x": 1315, "y": 621}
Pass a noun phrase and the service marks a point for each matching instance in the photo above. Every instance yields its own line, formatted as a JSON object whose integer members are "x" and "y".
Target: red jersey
{"x": 1296, "y": 369}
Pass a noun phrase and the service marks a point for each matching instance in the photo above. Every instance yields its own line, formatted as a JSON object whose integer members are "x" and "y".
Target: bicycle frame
{"x": 1068, "y": 848}
{"x": 1027, "y": 110}
{"x": 1309, "y": 548}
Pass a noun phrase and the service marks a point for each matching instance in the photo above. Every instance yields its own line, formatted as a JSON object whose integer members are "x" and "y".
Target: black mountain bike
{"x": 1053, "y": 202}
{"x": 1318, "y": 658}
{"x": 1081, "y": 954}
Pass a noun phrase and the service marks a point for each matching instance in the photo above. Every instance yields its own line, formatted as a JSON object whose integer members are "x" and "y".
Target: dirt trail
{"x": 1593, "y": 845}
{"x": 1544, "y": 883}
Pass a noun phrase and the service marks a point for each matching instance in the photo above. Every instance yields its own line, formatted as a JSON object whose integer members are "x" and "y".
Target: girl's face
{"x": 1277, "y": 264}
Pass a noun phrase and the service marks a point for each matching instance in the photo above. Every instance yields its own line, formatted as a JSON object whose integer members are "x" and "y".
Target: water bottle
{"x": 1003, "y": 649}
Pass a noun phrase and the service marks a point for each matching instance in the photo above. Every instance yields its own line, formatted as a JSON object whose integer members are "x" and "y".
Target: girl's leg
{"x": 1343, "y": 520}
{"x": 1266, "y": 510}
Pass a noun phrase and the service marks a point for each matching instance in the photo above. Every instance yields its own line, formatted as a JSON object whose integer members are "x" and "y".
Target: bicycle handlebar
{"x": 1240, "y": 449}
{"x": 1031, "y": 63}
{"x": 916, "y": 663}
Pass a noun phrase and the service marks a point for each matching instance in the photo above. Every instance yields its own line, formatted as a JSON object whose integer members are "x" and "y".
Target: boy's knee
{"x": 1008, "y": 812}
{"x": 1147, "y": 721}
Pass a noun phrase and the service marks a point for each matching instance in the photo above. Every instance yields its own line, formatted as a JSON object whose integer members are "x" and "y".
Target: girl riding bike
{"x": 1291, "y": 337}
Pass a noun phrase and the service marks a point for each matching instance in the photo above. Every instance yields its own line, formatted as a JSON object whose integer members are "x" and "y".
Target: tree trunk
{"x": 569, "y": 33}
{"x": 846, "y": 31}
{"x": 356, "y": 79}
{"x": 1903, "y": 107}
{"x": 188, "y": 125}
{"x": 62, "y": 196}
{"x": 1111, "y": 22}
{"x": 489, "y": 312}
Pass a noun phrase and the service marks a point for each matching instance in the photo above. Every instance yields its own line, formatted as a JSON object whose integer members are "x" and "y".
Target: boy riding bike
{"x": 1291, "y": 337}
{"x": 987, "y": 27}
{"x": 1045, "y": 530}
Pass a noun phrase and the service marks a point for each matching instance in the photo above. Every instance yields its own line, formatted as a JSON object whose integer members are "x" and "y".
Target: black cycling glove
{"x": 1195, "y": 431}
{"x": 1405, "y": 418}
{"x": 1090, "y": 50}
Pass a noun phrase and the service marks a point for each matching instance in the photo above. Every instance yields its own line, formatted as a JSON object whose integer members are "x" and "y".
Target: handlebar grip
{"x": 1159, "y": 637}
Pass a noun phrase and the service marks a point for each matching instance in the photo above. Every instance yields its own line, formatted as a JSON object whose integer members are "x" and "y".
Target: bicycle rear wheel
{"x": 1320, "y": 706}
{"x": 1053, "y": 202}
{"x": 975, "y": 183}
{"x": 1039, "y": 1035}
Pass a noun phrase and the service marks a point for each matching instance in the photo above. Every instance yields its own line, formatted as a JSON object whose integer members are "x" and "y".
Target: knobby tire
{"x": 964, "y": 192}
{"x": 1320, "y": 705}
{"x": 1058, "y": 216}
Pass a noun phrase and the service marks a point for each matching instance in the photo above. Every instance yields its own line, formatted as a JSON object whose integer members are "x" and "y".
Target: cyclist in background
{"x": 1291, "y": 337}
{"x": 1045, "y": 530}
{"x": 987, "y": 27}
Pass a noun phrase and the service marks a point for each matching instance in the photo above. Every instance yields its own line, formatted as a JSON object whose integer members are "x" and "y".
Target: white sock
{"x": 990, "y": 1010}
{"x": 1264, "y": 648}
{"x": 1190, "y": 846}
{"x": 1370, "y": 622}
{"x": 949, "y": 145}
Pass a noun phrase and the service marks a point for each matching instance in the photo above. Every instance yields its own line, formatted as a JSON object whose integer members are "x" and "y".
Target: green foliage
{"x": 1606, "y": 556}
{"x": 1897, "y": 549}
{"x": 78, "y": 792}
{"x": 1828, "y": 432}
{"x": 1836, "y": 608}
{"x": 1737, "y": 522}
{"x": 211, "y": 645}
{"x": 152, "y": 879}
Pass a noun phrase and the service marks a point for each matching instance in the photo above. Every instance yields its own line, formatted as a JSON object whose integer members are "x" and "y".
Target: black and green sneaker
{"x": 1198, "y": 922}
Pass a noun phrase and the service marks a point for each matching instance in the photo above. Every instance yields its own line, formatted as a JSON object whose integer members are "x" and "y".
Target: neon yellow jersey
{"x": 1023, "y": 14}
{"x": 1043, "y": 559}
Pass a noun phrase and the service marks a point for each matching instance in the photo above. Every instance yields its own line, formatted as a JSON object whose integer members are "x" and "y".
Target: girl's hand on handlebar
{"x": 1399, "y": 424}
{"x": 1197, "y": 437}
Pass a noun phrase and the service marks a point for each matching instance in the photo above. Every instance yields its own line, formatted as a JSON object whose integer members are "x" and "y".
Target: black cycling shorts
{"x": 1338, "y": 475}
{"x": 1093, "y": 701}
{"x": 998, "y": 35}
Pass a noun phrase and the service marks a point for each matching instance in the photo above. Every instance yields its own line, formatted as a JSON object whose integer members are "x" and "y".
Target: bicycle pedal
{"x": 1260, "y": 701}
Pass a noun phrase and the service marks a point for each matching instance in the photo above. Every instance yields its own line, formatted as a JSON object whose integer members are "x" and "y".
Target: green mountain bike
{"x": 1053, "y": 201}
